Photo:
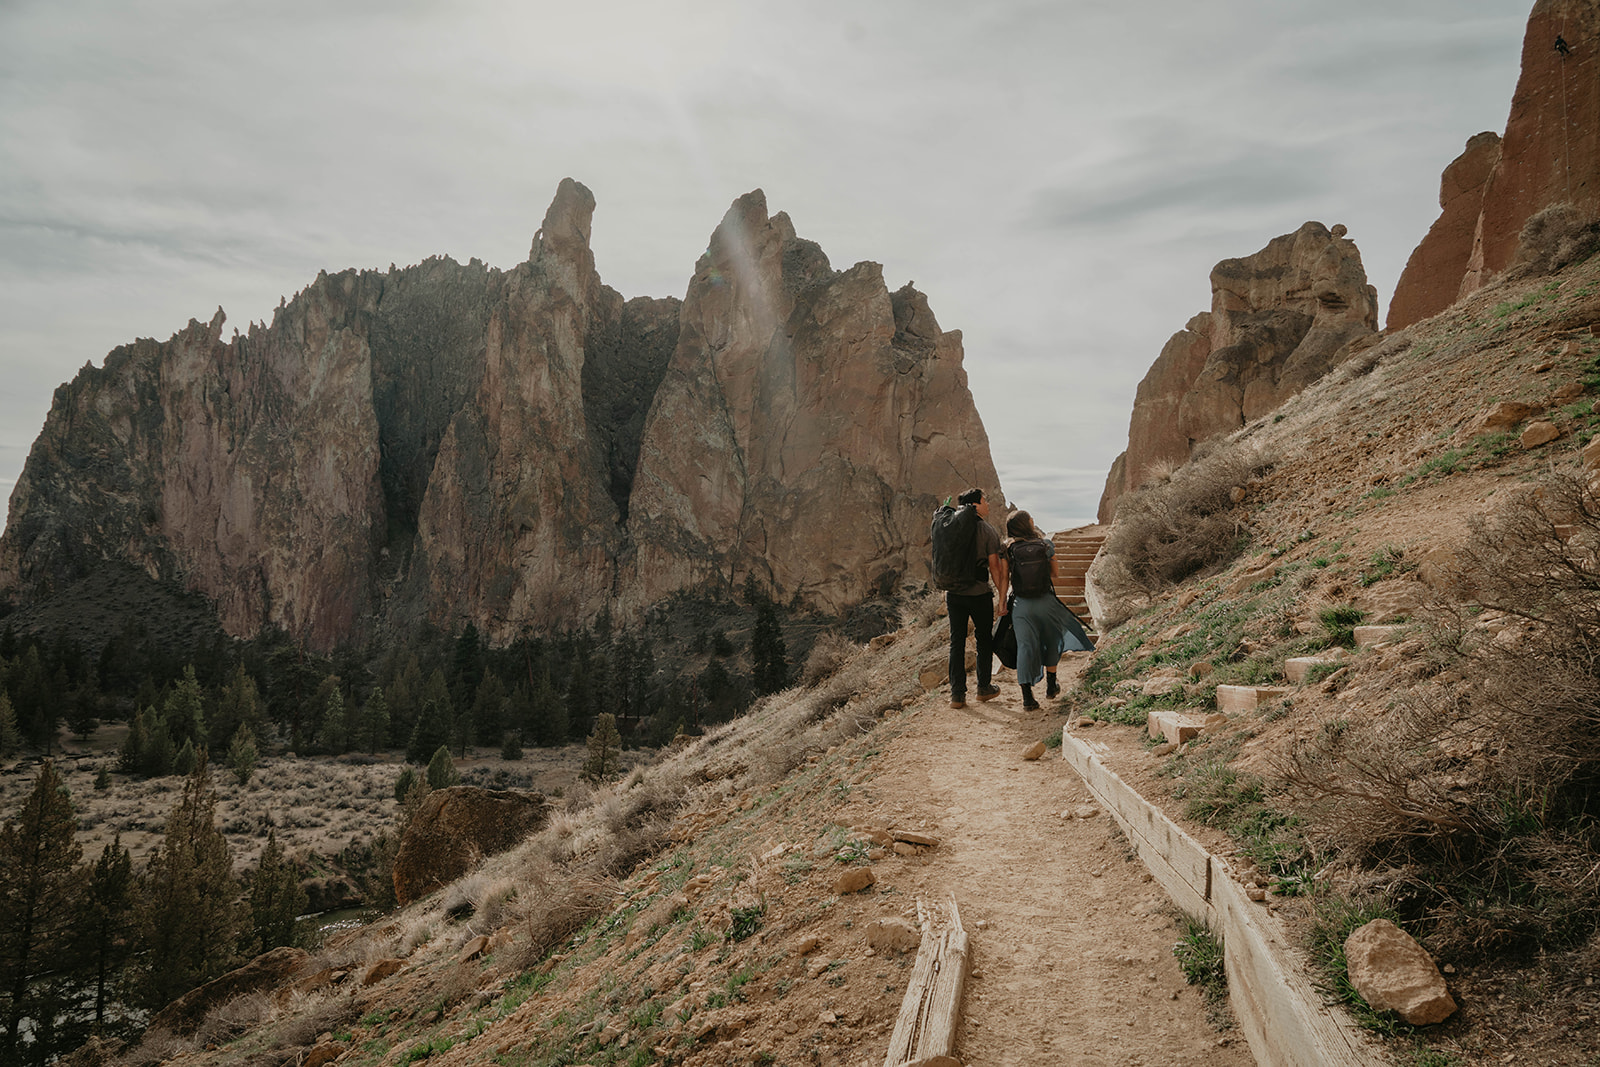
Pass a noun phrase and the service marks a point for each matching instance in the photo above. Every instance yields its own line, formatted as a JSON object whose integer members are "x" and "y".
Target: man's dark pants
{"x": 979, "y": 609}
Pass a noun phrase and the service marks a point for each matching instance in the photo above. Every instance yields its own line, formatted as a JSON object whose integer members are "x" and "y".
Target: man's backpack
{"x": 1030, "y": 568}
{"x": 955, "y": 547}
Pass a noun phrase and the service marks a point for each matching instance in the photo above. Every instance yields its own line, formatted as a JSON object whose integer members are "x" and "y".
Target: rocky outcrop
{"x": 808, "y": 420}
{"x": 1432, "y": 277}
{"x": 454, "y": 829}
{"x": 521, "y": 448}
{"x": 1279, "y": 320}
{"x": 1549, "y": 154}
{"x": 267, "y": 971}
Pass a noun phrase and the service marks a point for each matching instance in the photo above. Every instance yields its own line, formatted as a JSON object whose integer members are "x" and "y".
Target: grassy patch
{"x": 1200, "y": 957}
{"x": 1339, "y": 624}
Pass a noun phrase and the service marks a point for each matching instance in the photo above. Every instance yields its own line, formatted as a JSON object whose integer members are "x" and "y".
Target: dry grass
{"x": 1556, "y": 237}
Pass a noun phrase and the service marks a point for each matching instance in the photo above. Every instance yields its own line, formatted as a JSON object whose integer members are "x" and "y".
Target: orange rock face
{"x": 1549, "y": 154}
{"x": 1432, "y": 278}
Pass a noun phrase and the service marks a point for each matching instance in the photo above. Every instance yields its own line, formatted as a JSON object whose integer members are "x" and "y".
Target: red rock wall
{"x": 1432, "y": 277}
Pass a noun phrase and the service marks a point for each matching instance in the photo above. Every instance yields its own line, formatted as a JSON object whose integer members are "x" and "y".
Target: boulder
{"x": 381, "y": 970}
{"x": 454, "y": 829}
{"x": 1539, "y": 433}
{"x": 1503, "y": 416}
{"x": 328, "y": 893}
{"x": 1591, "y": 455}
{"x": 267, "y": 971}
{"x": 854, "y": 880}
{"x": 1394, "y": 973}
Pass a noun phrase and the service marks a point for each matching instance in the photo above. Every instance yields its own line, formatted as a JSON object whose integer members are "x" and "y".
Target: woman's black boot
{"x": 1052, "y": 688}
{"x": 1027, "y": 697}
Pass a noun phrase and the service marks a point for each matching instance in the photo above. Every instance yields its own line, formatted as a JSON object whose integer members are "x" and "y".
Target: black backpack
{"x": 955, "y": 547}
{"x": 1030, "y": 568}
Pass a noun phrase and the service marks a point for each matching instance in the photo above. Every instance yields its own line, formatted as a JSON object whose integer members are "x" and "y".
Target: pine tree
{"x": 10, "y": 736}
{"x": 767, "y": 651}
{"x": 276, "y": 897}
{"x": 242, "y": 754}
{"x": 430, "y": 732}
{"x": 39, "y": 890}
{"x": 106, "y": 923}
{"x": 375, "y": 722}
{"x": 511, "y": 746}
{"x": 605, "y": 749}
{"x": 189, "y": 914}
{"x": 468, "y": 666}
{"x": 186, "y": 759}
{"x": 549, "y": 713}
{"x": 184, "y": 710}
{"x": 489, "y": 709}
{"x": 332, "y": 736}
{"x": 238, "y": 704}
{"x": 442, "y": 772}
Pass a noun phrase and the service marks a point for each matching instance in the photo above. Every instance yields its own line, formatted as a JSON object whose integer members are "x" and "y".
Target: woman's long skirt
{"x": 1045, "y": 628}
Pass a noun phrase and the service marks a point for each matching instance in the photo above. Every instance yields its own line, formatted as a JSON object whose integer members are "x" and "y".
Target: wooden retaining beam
{"x": 1281, "y": 1014}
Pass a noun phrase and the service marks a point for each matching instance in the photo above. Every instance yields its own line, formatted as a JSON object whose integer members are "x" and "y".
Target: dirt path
{"x": 1072, "y": 941}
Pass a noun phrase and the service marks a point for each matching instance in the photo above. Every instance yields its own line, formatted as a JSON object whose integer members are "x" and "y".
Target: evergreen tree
{"x": 511, "y": 746}
{"x": 374, "y": 731}
{"x": 519, "y": 713}
{"x": 184, "y": 710}
{"x": 767, "y": 651}
{"x": 105, "y": 926}
{"x": 10, "y": 736}
{"x": 404, "y": 697}
{"x": 102, "y": 780}
{"x": 82, "y": 711}
{"x": 333, "y": 736}
{"x": 238, "y": 704}
{"x": 189, "y": 915}
{"x": 489, "y": 709}
{"x": 34, "y": 700}
{"x": 605, "y": 749}
{"x": 39, "y": 890}
{"x": 548, "y": 713}
{"x": 242, "y": 754}
{"x": 186, "y": 760}
{"x": 131, "y": 758}
{"x": 430, "y": 732}
{"x": 468, "y": 667}
{"x": 403, "y": 784}
{"x": 442, "y": 772}
{"x": 276, "y": 897}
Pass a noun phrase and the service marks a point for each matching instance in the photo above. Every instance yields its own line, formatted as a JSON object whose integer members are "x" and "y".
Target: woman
{"x": 1044, "y": 626}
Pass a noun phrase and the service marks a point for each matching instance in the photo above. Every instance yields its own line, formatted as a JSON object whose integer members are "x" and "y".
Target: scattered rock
{"x": 1034, "y": 751}
{"x": 1085, "y": 811}
{"x": 912, "y": 837}
{"x": 323, "y": 1054}
{"x": 893, "y": 935}
{"x": 1539, "y": 433}
{"x": 854, "y": 880}
{"x": 381, "y": 970}
{"x": 473, "y": 949}
{"x": 1591, "y": 453}
{"x": 1394, "y": 973}
{"x": 1503, "y": 416}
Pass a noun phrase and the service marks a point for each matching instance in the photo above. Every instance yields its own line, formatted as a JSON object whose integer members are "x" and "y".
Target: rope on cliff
{"x": 1563, "y": 50}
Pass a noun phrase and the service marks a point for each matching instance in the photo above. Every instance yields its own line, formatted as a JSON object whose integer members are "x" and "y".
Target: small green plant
{"x": 699, "y": 938}
{"x": 1201, "y": 957}
{"x": 1320, "y": 672}
{"x": 1054, "y": 740}
{"x": 795, "y": 869}
{"x": 1384, "y": 563}
{"x": 433, "y": 1046}
{"x": 1339, "y": 624}
{"x": 746, "y": 921}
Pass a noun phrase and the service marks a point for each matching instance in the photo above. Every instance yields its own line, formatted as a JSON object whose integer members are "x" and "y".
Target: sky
{"x": 1058, "y": 176}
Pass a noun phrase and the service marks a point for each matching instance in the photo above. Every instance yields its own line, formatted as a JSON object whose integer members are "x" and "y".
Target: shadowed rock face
{"x": 1279, "y": 320}
{"x": 516, "y": 448}
{"x": 1549, "y": 154}
{"x": 454, "y": 829}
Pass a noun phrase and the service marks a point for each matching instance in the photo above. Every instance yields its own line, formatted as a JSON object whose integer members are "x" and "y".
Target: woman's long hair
{"x": 1020, "y": 527}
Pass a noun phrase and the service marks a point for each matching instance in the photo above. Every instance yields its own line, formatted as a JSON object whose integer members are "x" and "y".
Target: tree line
{"x": 676, "y": 670}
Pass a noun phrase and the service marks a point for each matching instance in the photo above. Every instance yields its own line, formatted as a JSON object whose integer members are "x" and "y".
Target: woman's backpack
{"x": 1030, "y": 568}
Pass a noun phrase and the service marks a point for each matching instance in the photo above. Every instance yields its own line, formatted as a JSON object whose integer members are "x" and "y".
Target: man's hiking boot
{"x": 958, "y": 702}
{"x": 988, "y": 692}
{"x": 1027, "y": 698}
{"x": 1052, "y": 688}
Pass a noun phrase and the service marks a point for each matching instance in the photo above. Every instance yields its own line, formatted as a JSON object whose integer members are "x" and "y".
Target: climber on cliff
{"x": 966, "y": 551}
{"x": 1562, "y": 46}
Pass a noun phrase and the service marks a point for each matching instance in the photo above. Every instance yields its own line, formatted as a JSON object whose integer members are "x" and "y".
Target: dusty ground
{"x": 1072, "y": 941}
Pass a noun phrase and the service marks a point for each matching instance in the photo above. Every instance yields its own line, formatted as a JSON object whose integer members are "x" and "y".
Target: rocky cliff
{"x": 517, "y": 448}
{"x": 1279, "y": 320}
{"x": 1550, "y": 154}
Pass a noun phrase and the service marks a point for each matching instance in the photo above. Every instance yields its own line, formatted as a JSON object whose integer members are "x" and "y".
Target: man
{"x": 975, "y": 603}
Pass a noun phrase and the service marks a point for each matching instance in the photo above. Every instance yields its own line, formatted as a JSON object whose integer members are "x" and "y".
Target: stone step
{"x": 1299, "y": 667}
{"x": 1181, "y": 726}
{"x": 1367, "y": 636}
{"x": 1236, "y": 698}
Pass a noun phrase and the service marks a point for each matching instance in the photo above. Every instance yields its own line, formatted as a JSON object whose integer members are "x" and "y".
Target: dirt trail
{"x": 1072, "y": 942}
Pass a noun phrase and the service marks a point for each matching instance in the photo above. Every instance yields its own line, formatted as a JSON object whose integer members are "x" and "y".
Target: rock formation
{"x": 515, "y": 448}
{"x": 1550, "y": 154}
{"x": 1431, "y": 281}
{"x": 454, "y": 829}
{"x": 1279, "y": 320}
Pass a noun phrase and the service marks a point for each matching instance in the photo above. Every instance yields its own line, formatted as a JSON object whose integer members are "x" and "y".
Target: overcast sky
{"x": 1058, "y": 177}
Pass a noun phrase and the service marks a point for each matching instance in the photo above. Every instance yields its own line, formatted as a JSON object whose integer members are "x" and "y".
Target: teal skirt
{"x": 1045, "y": 628}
